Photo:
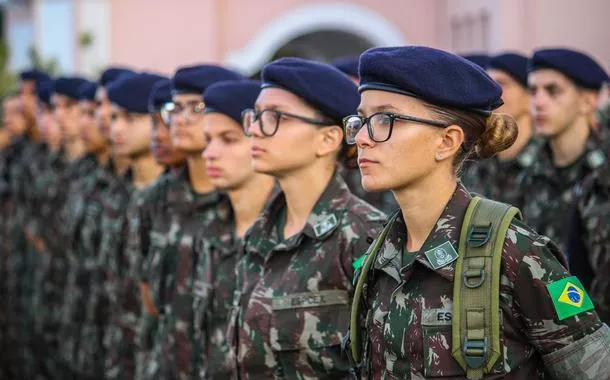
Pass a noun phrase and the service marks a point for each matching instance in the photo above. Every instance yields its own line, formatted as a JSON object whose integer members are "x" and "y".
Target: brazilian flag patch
{"x": 569, "y": 297}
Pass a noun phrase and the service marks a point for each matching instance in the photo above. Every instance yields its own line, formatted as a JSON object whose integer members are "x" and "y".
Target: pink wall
{"x": 161, "y": 34}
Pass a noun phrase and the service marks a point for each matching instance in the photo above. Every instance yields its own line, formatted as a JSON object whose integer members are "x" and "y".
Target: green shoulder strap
{"x": 355, "y": 335}
{"x": 476, "y": 286}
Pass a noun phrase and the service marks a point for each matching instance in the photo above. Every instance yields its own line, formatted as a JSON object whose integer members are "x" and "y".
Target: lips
{"x": 256, "y": 151}
{"x": 365, "y": 162}
{"x": 213, "y": 171}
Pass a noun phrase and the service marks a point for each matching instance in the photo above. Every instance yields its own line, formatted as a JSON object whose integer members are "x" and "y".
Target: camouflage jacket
{"x": 589, "y": 238}
{"x": 291, "y": 303}
{"x": 406, "y": 310}
{"x": 498, "y": 180}
{"x": 169, "y": 221}
{"x": 549, "y": 190}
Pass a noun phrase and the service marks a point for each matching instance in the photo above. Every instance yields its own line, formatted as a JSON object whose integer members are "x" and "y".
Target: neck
{"x": 53, "y": 146}
{"x": 74, "y": 149}
{"x": 103, "y": 156}
{"x": 121, "y": 165}
{"x": 145, "y": 170}
{"x": 570, "y": 144}
{"x": 422, "y": 204}
{"x": 299, "y": 203}
{"x": 248, "y": 201}
{"x": 198, "y": 174}
{"x": 524, "y": 124}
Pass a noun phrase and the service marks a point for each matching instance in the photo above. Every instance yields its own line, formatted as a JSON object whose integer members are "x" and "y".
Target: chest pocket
{"x": 307, "y": 329}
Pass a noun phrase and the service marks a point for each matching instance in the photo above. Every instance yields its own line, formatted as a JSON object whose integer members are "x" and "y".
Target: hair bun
{"x": 500, "y": 133}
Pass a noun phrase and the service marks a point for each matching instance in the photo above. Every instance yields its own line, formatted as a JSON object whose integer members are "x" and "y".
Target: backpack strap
{"x": 476, "y": 286}
{"x": 355, "y": 334}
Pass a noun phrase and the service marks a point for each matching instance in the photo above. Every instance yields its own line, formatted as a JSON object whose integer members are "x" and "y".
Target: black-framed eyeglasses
{"x": 380, "y": 125}
{"x": 269, "y": 120}
{"x": 191, "y": 111}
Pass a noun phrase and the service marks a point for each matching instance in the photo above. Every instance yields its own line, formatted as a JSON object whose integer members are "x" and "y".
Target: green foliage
{"x": 49, "y": 66}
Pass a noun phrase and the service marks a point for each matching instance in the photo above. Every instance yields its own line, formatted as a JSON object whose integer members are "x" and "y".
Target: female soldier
{"x": 294, "y": 281}
{"x": 413, "y": 133}
{"x": 229, "y": 167}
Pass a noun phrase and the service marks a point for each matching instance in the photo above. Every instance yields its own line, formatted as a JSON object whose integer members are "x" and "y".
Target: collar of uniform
{"x": 322, "y": 221}
{"x": 181, "y": 193}
{"x": 446, "y": 229}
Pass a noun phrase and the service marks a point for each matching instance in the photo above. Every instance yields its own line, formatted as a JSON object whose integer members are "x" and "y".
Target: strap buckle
{"x": 478, "y": 236}
{"x": 473, "y": 278}
{"x": 475, "y": 352}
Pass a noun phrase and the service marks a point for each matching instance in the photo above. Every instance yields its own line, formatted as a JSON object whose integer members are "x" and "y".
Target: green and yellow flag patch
{"x": 569, "y": 297}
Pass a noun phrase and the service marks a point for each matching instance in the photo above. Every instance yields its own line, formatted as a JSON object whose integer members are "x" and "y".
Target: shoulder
{"x": 362, "y": 211}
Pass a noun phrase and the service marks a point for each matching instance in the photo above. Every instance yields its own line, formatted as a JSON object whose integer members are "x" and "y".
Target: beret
{"x": 132, "y": 92}
{"x": 35, "y": 75}
{"x": 480, "y": 59}
{"x": 112, "y": 74}
{"x": 160, "y": 94}
{"x": 512, "y": 64}
{"x": 323, "y": 86}
{"x": 347, "y": 65}
{"x": 69, "y": 86}
{"x": 87, "y": 91}
{"x": 231, "y": 98}
{"x": 44, "y": 89}
{"x": 433, "y": 75}
{"x": 577, "y": 66}
{"x": 195, "y": 79}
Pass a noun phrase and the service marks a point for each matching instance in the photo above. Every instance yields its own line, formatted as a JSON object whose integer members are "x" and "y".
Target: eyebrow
{"x": 379, "y": 108}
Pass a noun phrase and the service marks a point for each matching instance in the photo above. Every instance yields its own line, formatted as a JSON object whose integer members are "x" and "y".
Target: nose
{"x": 363, "y": 139}
{"x": 210, "y": 153}
{"x": 255, "y": 129}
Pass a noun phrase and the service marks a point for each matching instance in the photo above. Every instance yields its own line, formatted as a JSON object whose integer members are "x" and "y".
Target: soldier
{"x": 385, "y": 200}
{"x": 168, "y": 221}
{"x": 120, "y": 164}
{"x": 423, "y": 310}
{"x": 228, "y": 163}
{"x": 294, "y": 281}
{"x": 496, "y": 177}
{"x": 115, "y": 305}
{"x": 589, "y": 238}
{"x": 564, "y": 86}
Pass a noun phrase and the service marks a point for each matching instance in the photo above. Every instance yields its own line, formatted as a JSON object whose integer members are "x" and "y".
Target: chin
{"x": 373, "y": 185}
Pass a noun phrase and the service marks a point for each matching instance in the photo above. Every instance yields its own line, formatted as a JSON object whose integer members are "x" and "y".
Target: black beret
{"x": 69, "y": 86}
{"x": 35, "y": 75}
{"x": 195, "y": 79}
{"x": 323, "y": 86}
{"x": 44, "y": 89}
{"x": 347, "y": 65}
{"x": 512, "y": 64}
{"x": 231, "y": 97}
{"x": 160, "y": 94}
{"x": 480, "y": 59}
{"x": 132, "y": 92}
{"x": 577, "y": 66}
{"x": 87, "y": 91}
{"x": 112, "y": 74}
{"x": 433, "y": 75}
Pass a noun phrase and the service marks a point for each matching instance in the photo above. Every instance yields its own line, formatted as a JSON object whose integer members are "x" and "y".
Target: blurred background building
{"x": 83, "y": 36}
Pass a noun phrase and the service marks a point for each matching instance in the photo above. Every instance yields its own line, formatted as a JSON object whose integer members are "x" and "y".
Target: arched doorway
{"x": 319, "y": 31}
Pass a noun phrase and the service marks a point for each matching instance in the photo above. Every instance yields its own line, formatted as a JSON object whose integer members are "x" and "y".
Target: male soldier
{"x": 228, "y": 163}
{"x": 114, "y": 305}
{"x": 496, "y": 178}
{"x": 384, "y": 200}
{"x": 172, "y": 214}
{"x": 564, "y": 87}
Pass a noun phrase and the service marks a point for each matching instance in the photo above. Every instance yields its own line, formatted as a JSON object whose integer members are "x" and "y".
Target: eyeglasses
{"x": 379, "y": 125}
{"x": 269, "y": 120}
{"x": 191, "y": 112}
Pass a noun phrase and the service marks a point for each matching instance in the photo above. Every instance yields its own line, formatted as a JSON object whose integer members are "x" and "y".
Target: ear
{"x": 588, "y": 102}
{"x": 330, "y": 139}
{"x": 450, "y": 141}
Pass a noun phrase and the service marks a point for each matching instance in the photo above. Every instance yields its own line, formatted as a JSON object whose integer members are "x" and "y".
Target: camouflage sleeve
{"x": 558, "y": 317}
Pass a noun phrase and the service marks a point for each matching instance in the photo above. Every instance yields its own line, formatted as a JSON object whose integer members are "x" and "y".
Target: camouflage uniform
{"x": 291, "y": 303}
{"x": 498, "y": 180}
{"x": 589, "y": 238}
{"x": 217, "y": 253}
{"x": 406, "y": 310}
{"x": 550, "y": 189}
{"x": 173, "y": 215}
